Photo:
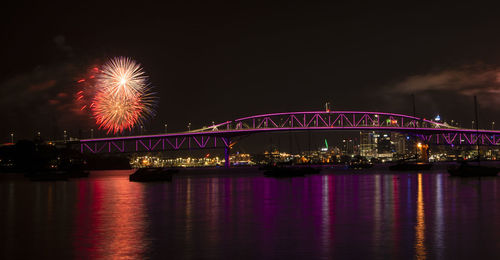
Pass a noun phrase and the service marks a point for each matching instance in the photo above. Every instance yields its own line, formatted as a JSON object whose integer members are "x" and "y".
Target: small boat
{"x": 152, "y": 174}
{"x": 466, "y": 170}
{"x": 78, "y": 173}
{"x": 410, "y": 166}
{"x": 266, "y": 167}
{"x": 413, "y": 164}
{"x": 360, "y": 165}
{"x": 311, "y": 170}
{"x": 48, "y": 176}
{"x": 283, "y": 172}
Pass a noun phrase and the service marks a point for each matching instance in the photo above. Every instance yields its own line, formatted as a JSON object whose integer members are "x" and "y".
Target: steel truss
{"x": 219, "y": 135}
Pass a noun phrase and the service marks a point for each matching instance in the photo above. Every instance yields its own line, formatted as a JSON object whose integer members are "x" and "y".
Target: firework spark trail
{"x": 123, "y": 97}
{"x": 123, "y": 76}
{"x": 86, "y": 86}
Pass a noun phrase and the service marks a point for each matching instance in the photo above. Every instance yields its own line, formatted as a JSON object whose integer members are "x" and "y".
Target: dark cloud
{"x": 43, "y": 100}
{"x": 449, "y": 93}
{"x": 479, "y": 80}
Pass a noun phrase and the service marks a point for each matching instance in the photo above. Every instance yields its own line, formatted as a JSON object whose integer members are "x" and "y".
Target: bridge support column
{"x": 226, "y": 157}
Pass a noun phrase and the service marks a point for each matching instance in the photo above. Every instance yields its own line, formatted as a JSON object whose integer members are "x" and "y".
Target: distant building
{"x": 401, "y": 143}
{"x": 368, "y": 144}
{"x": 347, "y": 147}
{"x": 382, "y": 145}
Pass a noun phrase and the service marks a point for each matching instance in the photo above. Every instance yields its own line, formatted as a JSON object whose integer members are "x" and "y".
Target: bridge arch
{"x": 326, "y": 119}
{"x": 219, "y": 135}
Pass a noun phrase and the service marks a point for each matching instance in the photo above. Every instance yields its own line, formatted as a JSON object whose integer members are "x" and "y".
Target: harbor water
{"x": 240, "y": 214}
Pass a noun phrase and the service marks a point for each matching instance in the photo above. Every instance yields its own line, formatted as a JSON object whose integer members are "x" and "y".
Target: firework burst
{"x": 123, "y": 96}
{"x": 123, "y": 76}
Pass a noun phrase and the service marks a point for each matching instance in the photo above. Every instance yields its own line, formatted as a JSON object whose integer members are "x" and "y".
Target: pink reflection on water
{"x": 99, "y": 234}
{"x": 327, "y": 214}
{"x": 396, "y": 212}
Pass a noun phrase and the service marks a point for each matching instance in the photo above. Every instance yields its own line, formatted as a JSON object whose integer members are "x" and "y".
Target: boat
{"x": 76, "y": 168}
{"x": 283, "y": 172}
{"x": 467, "y": 170}
{"x": 266, "y": 167}
{"x": 417, "y": 163}
{"x": 78, "y": 173}
{"x": 411, "y": 166}
{"x": 55, "y": 175}
{"x": 152, "y": 174}
{"x": 360, "y": 165}
{"x": 307, "y": 168}
{"x": 357, "y": 165}
{"x": 311, "y": 170}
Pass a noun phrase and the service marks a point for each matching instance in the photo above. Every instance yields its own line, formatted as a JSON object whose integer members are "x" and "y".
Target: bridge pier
{"x": 226, "y": 157}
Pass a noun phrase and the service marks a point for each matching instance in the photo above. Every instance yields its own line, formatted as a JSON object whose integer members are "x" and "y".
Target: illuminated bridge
{"x": 219, "y": 135}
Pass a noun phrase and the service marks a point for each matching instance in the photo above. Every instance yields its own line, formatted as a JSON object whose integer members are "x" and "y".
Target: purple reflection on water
{"x": 238, "y": 213}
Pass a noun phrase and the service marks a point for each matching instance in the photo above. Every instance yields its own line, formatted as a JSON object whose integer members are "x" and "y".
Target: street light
{"x": 166, "y": 128}
{"x": 65, "y": 135}
{"x": 91, "y": 133}
{"x": 189, "y": 127}
{"x": 492, "y": 125}
{"x": 12, "y": 137}
{"x": 142, "y": 127}
{"x": 472, "y": 124}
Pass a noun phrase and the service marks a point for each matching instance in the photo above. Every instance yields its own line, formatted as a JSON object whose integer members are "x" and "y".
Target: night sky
{"x": 211, "y": 61}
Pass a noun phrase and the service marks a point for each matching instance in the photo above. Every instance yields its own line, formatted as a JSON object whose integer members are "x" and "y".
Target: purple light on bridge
{"x": 428, "y": 131}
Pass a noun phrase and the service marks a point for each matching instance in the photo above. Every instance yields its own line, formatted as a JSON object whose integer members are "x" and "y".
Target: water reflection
{"x": 326, "y": 215}
{"x": 247, "y": 216}
{"x": 377, "y": 214}
{"x": 420, "y": 251}
{"x": 110, "y": 219}
{"x": 439, "y": 222}
{"x": 396, "y": 215}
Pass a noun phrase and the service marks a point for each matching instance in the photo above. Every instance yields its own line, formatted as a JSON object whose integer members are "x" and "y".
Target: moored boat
{"x": 467, "y": 170}
{"x": 48, "y": 176}
{"x": 360, "y": 165}
{"x": 411, "y": 166}
{"x": 282, "y": 172}
{"x": 311, "y": 170}
{"x": 152, "y": 174}
{"x": 78, "y": 173}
